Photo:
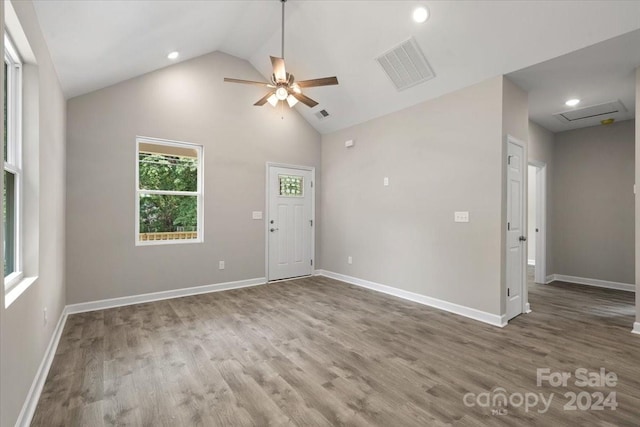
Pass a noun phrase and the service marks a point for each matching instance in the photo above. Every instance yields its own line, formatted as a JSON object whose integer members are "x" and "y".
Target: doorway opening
{"x": 537, "y": 221}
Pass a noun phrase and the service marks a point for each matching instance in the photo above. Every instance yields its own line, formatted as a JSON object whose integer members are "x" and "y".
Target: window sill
{"x": 168, "y": 242}
{"x": 12, "y": 293}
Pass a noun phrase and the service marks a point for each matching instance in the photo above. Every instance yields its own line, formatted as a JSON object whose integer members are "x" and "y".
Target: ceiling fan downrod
{"x": 282, "y": 50}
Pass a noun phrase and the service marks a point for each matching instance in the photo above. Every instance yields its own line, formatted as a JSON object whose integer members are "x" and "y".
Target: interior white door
{"x": 516, "y": 232}
{"x": 290, "y": 223}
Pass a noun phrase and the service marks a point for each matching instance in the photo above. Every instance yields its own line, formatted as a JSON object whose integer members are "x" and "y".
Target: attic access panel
{"x": 592, "y": 111}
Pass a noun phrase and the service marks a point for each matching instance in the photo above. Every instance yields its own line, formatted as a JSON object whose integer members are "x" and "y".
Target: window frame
{"x": 14, "y": 153}
{"x": 199, "y": 193}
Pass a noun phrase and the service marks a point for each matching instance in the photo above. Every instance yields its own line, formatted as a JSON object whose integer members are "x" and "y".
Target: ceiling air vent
{"x": 322, "y": 114}
{"x": 593, "y": 111}
{"x": 406, "y": 65}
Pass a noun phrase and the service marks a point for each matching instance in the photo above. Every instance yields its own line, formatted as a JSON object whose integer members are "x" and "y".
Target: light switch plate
{"x": 385, "y": 181}
{"x": 461, "y": 216}
{"x": 257, "y": 215}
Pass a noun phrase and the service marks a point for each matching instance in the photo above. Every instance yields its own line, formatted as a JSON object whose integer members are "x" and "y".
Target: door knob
{"x": 522, "y": 239}
{"x": 273, "y": 229}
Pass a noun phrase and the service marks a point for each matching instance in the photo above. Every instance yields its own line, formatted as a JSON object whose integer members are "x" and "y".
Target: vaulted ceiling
{"x": 98, "y": 43}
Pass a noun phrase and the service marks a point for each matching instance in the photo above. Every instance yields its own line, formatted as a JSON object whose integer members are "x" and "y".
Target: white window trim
{"x": 199, "y": 192}
{"x": 14, "y": 153}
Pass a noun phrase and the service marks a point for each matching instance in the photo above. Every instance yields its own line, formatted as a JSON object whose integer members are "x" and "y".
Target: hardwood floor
{"x": 318, "y": 352}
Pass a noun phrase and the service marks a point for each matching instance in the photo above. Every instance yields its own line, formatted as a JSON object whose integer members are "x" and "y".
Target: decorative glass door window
{"x": 291, "y": 185}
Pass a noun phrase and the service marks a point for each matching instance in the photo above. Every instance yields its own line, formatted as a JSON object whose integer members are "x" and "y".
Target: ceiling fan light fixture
{"x": 281, "y": 93}
{"x": 296, "y": 88}
{"x": 273, "y": 100}
{"x": 292, "y": 101}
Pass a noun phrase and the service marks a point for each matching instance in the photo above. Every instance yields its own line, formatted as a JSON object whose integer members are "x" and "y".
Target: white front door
{"x": 290, "y": 222}
{"x": 516, "y": 229}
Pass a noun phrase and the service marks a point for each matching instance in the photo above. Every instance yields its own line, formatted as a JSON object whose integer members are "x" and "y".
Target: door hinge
{"x": 311, "y": 222}
{"x": 508, "y": 226}
{"x": 311, "y": 261}
{"x": 508, "y": 292}
{"x": 311, "y": 184}
{"x": 509, "y": 160}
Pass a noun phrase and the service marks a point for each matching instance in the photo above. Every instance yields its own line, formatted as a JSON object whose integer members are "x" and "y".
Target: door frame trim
{"x": 267, "y": 192}
{"x": 525, "y": 289}
{"x": 541, "y": 220}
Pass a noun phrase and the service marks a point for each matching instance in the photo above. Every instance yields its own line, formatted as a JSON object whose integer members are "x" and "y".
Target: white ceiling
{"x": 98, "y": 43}
{"x": 596, "y": 74}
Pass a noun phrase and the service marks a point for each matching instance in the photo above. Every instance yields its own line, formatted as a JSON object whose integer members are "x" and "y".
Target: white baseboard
{"x": 527, "y": 308}
{"x": 636, "y": 328}
{"x": 157, "y": 296}
{"x": 531, "y": 262}
{"x": 461, "y": 310}
{"x": 31, "y": 402}
{"x": 550, "y": 278}
{"x": 592, "y": 282}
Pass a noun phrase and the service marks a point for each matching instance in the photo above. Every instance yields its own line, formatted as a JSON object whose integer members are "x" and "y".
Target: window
{"x": 169, "y": 192}
{"x": 12, "y": 195}
{"x": 291, "y": 185}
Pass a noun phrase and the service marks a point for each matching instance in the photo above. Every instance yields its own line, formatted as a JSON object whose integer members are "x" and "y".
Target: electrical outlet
{"x": 461, "y": 216}
{"x": 349, "y": 260}
{"x": 221, "y": 265}
{"x": 45, "y": 315}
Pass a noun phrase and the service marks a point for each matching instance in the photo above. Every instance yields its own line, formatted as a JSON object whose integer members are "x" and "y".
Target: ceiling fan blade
{"x": 325, "y": 81}
{"x": 263, "y": 100}
{"x": 278, "y": 69}
{"x": 304, "y": 99}
{"x": 246, "y": 82}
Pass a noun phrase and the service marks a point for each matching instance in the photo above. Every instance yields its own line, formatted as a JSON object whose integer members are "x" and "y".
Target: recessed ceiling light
{"x": 572, "y": 102}
{"x": 420, "y": 14}
{"x": 173, "y": 55}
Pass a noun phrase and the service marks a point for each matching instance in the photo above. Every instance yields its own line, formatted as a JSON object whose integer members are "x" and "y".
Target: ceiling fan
{"x": 283, "y": 85}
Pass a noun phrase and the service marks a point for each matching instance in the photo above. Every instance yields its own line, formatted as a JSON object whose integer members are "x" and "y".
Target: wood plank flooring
{"x": 318, "y": 352}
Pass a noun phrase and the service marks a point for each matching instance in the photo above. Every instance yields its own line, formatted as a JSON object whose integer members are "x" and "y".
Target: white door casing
{"x": 516, "y": 228}
{"x": 290, "y": 221}
{"x": 541, "y": 221}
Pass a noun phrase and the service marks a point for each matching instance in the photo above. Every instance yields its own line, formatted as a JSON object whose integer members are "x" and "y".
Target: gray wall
{"x": 541, "y": 146}
{"x": 185, "y": 102}
{"x": 441, "y": 156}
{"x": 515, "y": 122}
{"x": 593, "y": 207}
{"x": 25, "y": 335}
